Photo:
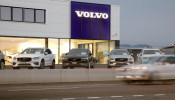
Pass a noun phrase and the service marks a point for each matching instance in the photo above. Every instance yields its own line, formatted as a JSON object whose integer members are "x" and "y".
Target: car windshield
{"x": 119, "y": 52}
{"x": 146, "y": 52}
{"x": 169, "y": 59}
{"x": 33, "y": 51}
{"x": 78, "y": 52}
{"x": 151, "y": 60}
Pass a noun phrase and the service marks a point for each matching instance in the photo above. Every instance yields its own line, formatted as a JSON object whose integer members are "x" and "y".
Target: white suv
{"x": 2, "y": 60}
{"x": 146, "y": 53}
{"x": 34, "y": 58}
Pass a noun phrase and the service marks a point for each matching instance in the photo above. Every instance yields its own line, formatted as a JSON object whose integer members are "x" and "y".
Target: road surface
{"x": 87, "y": 91}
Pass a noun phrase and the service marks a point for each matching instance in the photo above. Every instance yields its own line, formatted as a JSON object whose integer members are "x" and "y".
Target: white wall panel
{"x": 57, "y": 19}
{"x": 115, "y": 22}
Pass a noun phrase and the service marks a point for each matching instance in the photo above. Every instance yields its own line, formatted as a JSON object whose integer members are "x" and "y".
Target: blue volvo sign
{"x": 90, "y": 21}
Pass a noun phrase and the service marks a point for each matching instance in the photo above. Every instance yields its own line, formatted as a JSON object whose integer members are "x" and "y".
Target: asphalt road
{"x": 87, "y": 91}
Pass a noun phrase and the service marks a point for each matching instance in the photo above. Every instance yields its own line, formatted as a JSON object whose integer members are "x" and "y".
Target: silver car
{"x": 148, "y": 52}
{"x": 157, "y": 68}
{"x": 119, "y": 57}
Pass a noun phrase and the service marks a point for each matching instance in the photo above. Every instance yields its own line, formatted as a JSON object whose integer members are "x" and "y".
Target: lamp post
{"x": 174, "y": 47}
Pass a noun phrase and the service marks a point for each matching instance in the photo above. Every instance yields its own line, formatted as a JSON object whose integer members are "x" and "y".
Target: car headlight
{"x": 111, "y": 58}
{"x": 14, "y": 58}
{"x": 84, "y": 59}
{"x": 36, "y": 58}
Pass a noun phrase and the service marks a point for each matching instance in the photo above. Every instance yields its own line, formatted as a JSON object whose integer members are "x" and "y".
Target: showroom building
{"x": 59, "y": 25}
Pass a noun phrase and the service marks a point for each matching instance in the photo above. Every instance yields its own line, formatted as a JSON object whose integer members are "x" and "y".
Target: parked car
{"x": 78, "y": 58}
{"x": 119, "y": 57}
{"x": 158, "y": 68}
{"x": 34, "y": 58}
{"x": 148, "y": 52}
{"x": 2, "y": 60}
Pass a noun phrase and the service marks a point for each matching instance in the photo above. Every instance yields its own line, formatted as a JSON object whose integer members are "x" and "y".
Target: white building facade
{"x": 49, "y": 23}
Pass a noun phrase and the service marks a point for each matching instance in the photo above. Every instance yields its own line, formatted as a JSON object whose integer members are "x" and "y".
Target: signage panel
{"x": 90, "y": 21}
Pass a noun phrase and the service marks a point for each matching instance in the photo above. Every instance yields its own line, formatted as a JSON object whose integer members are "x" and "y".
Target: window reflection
{"x": 12, "y": 46}
{"x": 17, "y": 14}
{"x": 53, "y": 46}
{"x": 40, "y": 16}
{"x": 29, "y": 15}
{"x": 6, "y": 13}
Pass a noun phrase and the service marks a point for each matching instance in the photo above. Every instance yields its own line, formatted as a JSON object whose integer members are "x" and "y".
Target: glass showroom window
{"x": 53, "y": 46}
{"x": 64, "y": 48}
{"x": 12, "y": 46}
{"x": 102, "y": 51}
{"x": 29, "y": 15}
{"x": 5, "y": 13}
{"x": 40, "y": 16}
{"x": 84, "y": 44}
{"x": 112, "y": 45}
{"x": 17, "y": 14}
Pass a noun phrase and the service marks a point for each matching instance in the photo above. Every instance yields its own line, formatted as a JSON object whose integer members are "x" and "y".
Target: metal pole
{"x": 174, "y": 48}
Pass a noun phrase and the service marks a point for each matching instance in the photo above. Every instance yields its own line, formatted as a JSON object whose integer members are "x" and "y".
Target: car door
{"x": 46, "y": 58}
{"x": 49, "y": 57}
{"x": 168, "y": 68}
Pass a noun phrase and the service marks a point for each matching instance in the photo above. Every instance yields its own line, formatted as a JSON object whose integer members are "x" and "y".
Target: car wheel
{"x": 2, "y": 65}
{"x": 53, "y": 65}
{"x": 42, "y": 65}
{"x": 30, "y": 67}
{"x": 128, "y": 81}
{"x": 109, "y": 66}
{"x": 92, "y": 66}
{"x": 16, "y": 67}
{"x": 64, "y": 67}
{"x": 71, "y": 67}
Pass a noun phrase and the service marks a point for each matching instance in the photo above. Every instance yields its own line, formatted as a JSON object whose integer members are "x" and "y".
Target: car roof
{"x": 36, "y": 48}
{"x": 161, "y": 55}
{"x": 150, "y": 49}
{"x": 120, "y": 49}
{"x": 79, "y": 49}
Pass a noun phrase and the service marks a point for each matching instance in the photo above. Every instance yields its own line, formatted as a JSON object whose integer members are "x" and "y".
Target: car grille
{"x": 24, "y": 59}
{"x": 121, "y": 59}
{"x": 25, "y": 64}
{"x": 74, "y": 59}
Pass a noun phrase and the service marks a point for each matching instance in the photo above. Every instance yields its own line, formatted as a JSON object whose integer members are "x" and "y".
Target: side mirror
{"x": 46, "y": 53}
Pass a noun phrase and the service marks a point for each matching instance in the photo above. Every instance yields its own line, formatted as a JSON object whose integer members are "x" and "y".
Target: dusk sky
{"x": 145, "y": 21}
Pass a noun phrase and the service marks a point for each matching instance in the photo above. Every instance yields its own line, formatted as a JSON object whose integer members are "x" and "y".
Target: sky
{"x": 145, "y": 21}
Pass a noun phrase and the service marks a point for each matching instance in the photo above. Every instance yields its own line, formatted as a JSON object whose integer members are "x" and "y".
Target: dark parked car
{"x": 78, "y": 58}
{"x": 2, "y": 60}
